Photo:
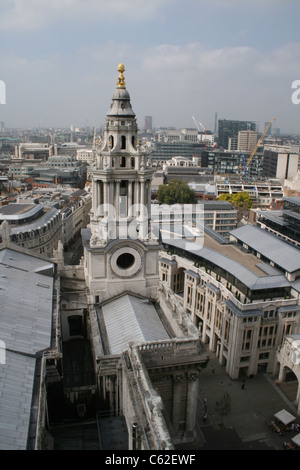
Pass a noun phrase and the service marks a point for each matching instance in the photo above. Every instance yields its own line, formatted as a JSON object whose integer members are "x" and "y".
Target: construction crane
{"x": 199, "y": 130}
{"x": 246, "y": 165}
{"x": 260, "y": 141}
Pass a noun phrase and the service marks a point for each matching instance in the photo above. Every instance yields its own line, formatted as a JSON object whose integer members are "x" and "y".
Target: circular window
{"x": 125, "y": 260}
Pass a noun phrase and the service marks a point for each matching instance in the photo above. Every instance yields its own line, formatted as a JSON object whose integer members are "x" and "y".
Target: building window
{"x": 189, "y": 295}
{"x": 125, "y": 260}
{"x": 247, "y": 339}
{"x": 75, "y": 325}
{"x": 123, "y": 142}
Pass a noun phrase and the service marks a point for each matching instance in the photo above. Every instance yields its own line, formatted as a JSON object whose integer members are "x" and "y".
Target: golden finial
{"x": 121, "y": 81}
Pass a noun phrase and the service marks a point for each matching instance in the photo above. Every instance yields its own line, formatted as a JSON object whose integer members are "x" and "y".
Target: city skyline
{"x": 239, "y": 59}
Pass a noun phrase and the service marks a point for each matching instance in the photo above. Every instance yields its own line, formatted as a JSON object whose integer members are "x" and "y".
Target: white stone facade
{"x": 288, "y": 357}
{"x": 244, "y": 336}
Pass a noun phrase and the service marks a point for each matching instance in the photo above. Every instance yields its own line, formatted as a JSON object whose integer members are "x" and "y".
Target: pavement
{"x": 252, "y": 407}
{"x": 73, "y": 254}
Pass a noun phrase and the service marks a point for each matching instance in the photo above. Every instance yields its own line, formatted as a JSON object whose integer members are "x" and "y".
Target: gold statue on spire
{"x": 121, "y": 80}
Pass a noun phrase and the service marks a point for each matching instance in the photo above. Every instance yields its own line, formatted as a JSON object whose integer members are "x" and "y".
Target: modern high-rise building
{"x": 229, "y": 129}
{"x": 148, "y": 123}
{"x": 280, "y": 163}
{"x": 247, "y": 141}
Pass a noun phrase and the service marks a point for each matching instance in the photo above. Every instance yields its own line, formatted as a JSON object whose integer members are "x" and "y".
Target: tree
{"x": 224, "y": 405}
{"x": 176, "y": 192}
{"x": 237, "y": 199}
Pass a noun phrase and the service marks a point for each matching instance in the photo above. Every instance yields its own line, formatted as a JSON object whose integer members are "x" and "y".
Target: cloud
{"x": 27, "y": 15}
{"x": 170, "y": 82}
{"x": 238, "y": 82}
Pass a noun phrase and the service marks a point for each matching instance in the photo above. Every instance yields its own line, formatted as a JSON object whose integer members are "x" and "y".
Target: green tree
{"x": 237, "y": 199}
{"x": 176, "y": 192}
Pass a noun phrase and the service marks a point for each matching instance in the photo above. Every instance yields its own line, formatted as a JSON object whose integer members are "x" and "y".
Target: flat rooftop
{"x": 26, "y": 299}
{"x": 285, "y": 256}
{"x": 16, "y": 210}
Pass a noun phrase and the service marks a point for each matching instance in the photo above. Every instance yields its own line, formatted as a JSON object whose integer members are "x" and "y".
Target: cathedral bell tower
{"x": 120, "y": 252}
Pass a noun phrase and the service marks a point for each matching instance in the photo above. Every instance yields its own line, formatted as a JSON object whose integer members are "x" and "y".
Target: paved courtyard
{"x": 252, "y": 407}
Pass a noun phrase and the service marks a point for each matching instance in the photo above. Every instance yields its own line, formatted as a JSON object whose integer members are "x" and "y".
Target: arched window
{"x": 111, "y": 142}
{"x": 122, "y": 162}
{"x": 133, "y": 141}
{"x": 132, "y": 162}
{"x": 123, "y": 142}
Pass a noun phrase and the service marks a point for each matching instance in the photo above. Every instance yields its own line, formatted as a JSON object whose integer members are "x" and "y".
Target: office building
{"x": 284, "y": 223}
{"x": 247, "y": 141}
{"x": 232, "y": 162}
{"x": 229, "y": 129}
{"x": 33, "y": 226}
{"x": 148, "y": 123}
{"x": 280, "y": 163}
{"x": 166, "y": 151}
{"x": 242, "y": 295}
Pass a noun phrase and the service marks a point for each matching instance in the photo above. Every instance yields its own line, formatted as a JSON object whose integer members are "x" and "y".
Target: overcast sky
{"x": 183, "y": 58}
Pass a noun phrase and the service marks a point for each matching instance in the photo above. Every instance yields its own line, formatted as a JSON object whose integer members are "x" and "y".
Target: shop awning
{"x": 284, "y": 417}
{"x": 296, "y": 439}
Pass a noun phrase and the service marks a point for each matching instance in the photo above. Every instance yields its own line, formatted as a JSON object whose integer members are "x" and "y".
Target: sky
{"x": 183, "y": 58}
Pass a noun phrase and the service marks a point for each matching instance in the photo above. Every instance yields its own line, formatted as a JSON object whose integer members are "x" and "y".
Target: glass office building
{"x": 228, "y": 129}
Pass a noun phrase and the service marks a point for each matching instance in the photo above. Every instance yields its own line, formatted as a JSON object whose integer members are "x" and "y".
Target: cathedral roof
{"x": 131, "y": 319}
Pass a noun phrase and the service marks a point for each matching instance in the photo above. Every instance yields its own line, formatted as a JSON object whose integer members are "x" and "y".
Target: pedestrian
{"x": 205, "y": 401}
{"x": 212, "y": 369}
{"x": 205, "y": 417}
{"x": 243, "y": 384}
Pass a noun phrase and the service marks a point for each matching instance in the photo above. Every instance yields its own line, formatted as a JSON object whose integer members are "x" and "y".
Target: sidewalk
{"x": 251, "y": 409}
{"x": 73, "y": 254}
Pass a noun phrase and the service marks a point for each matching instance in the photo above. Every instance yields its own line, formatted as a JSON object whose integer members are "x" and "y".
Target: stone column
{"x": 178, "y": 380}
{"x": 94, "y": 196}
{"x": 191, "y": 403}
{"x": 142, "y": 199}
{"x": 106, "y": 192}
{"x": 97, "y": 197}
{"x": 117, "y": 199}
{"x": 281, "y": 373}
{"x": 298, "y": 399}
{"x": 136, "y": 194}
{"x": 129, "y": 198}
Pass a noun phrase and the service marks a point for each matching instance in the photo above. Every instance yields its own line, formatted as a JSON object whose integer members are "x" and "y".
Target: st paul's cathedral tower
{"x": 121, "y": 254}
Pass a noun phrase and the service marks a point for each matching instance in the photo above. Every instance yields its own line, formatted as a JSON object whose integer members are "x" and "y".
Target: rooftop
{"x": 253, "y": 279}
{"x": 131, "y": 319}
{"x": 271, "y": 247}
{"x": 15, "y": 211}
{"x": 26, "y": 289}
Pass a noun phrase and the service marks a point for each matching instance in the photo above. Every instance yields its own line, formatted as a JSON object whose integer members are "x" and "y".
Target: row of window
{"x": 123, "y": 142}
